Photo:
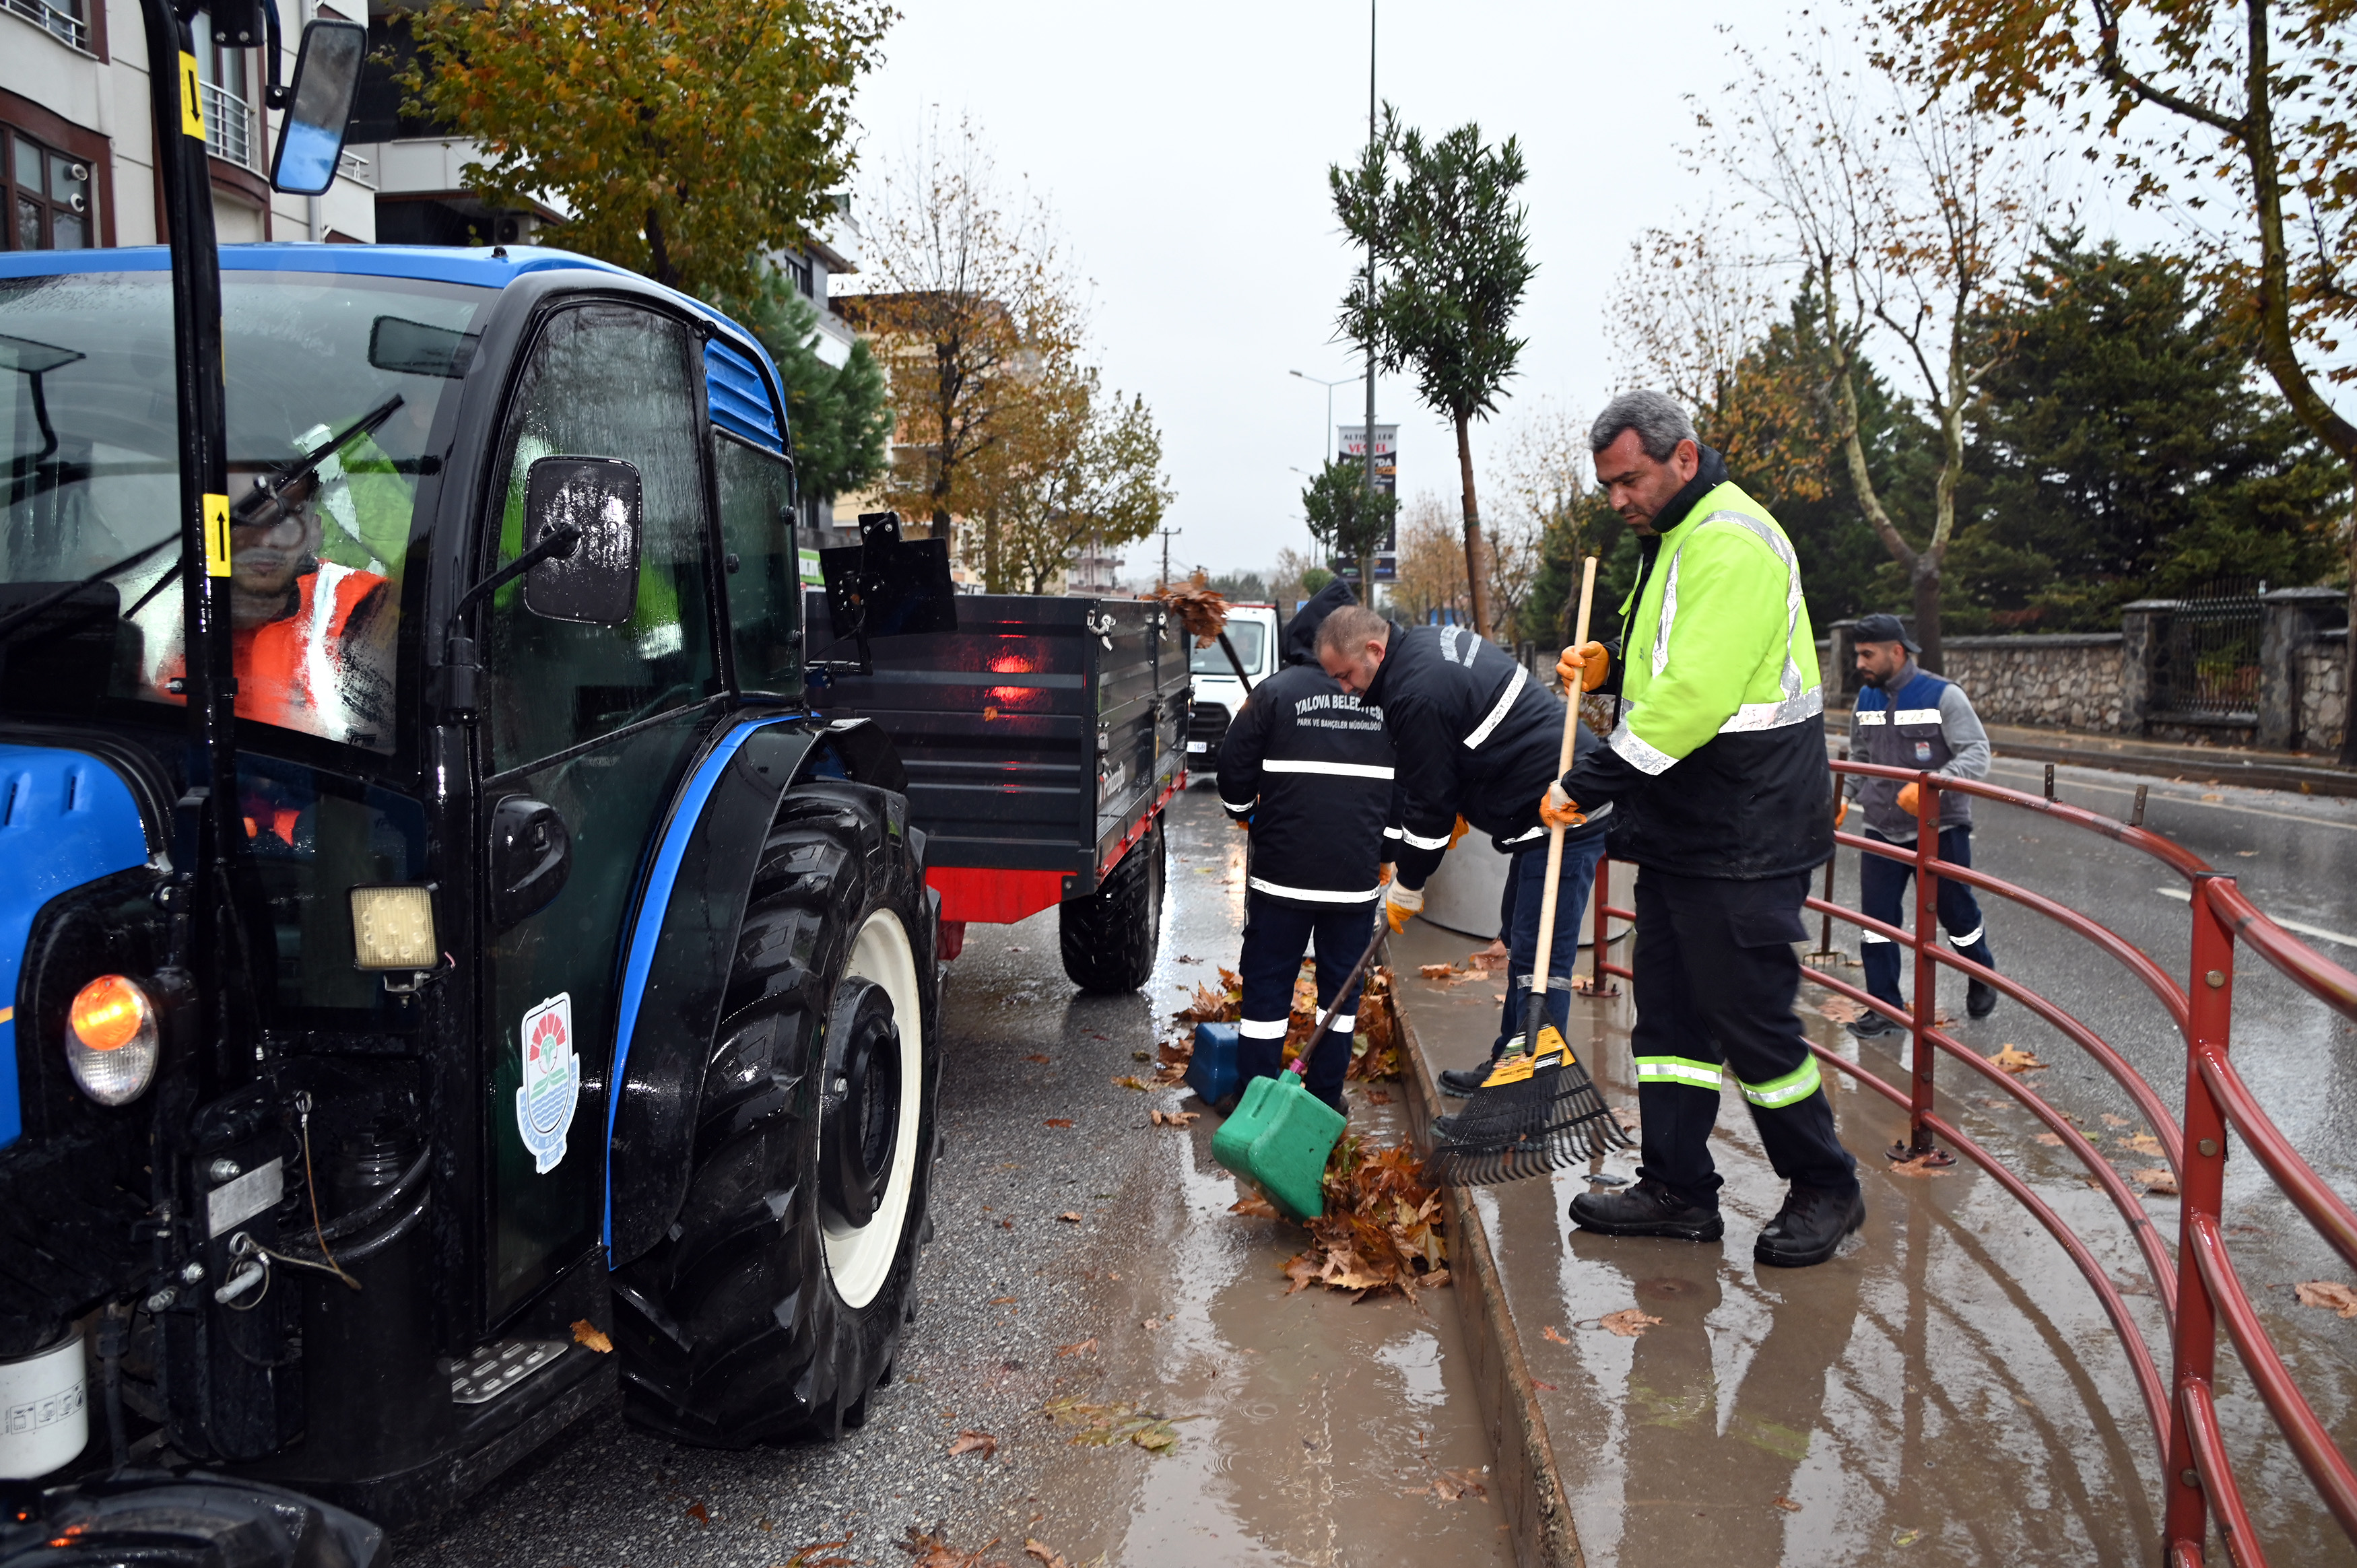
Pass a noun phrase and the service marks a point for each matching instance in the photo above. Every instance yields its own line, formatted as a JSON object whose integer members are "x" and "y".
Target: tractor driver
{"x": 312, "y": 641}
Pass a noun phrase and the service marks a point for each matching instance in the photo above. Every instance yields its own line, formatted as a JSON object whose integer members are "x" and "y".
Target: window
{"x": 51, "y": 197}
{"x": 605, "y": 381}
{"x": 756, "y": 530}
{"x": 69, "y": 20}
{"x": 1246, "y": 635}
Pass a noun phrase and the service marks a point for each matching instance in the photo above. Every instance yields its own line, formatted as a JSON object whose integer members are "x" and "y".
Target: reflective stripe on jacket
{"x": 1718, "y": 761}
{"x": 1927, "y": 723}
{"x": 1312, "y": 768}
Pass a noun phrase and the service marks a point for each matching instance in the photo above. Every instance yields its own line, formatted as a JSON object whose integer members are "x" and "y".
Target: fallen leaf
{"x": 1549, "y": 1333}
{"x": 1006, "y": 1225}
{"x": 999, "y": 1300}
{"x": 1059, "y": 1122}
{"x": 1628, "y": 1323}
{"x": 1175, "y": 1118}
{"x": 1840, "y": 1009}
{"x": 1131, "y": 1080}
{"x": 2143, "y": 1143}
{"x": 970, "y": 1441}
{"x": 1549, "y": 1387}
{"x": 1452, "y": 1485}
{"x": 1017, "y": 947}
{"x": 933, "y": 1550}
{"x": 813, "y": 1555}
{"x": 2112, "y": 1120}
{"x": 2329, "y": 1294}
{"x": 1906, "y": 1537}
{"x": 1378, "y": 1097}
{"x": 1137, "y": 1056}
{"x": 2012, "y": 1059}
{"x": 1035, "y": 1057}
{"x": 1920, "y": 1165}
{"x": 1487, "y": 959}
{"x": 1254, "y": 1204}
{"x": 2159, "y": 1181}
{"x": 587, "y": 1333}
{"x": 1070, "y": 1216}
{"x": 1112, "y": 1425}
{"x": 2051, "y": 1140}
{"x": 1626, "y": 1115}
{"x": 1497, "y": 996}
{"x": 1787, "y": 1504}
{"x": 1437, "y": 971}
{"x": 699, "y": 1513}
{"x": 1038, "y": 1551}
{"x": 1084, "y": 1348}
{"x": 2213, "y": 797}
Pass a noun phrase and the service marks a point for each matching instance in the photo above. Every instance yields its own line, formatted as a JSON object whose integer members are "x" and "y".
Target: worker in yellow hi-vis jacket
{"x": 1717, "y": 779}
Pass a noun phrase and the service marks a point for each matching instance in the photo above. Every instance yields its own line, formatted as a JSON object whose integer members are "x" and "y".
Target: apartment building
{"x": 78, "y": 141}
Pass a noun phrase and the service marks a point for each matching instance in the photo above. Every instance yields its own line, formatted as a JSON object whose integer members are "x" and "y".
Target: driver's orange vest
{"x": 287, "y": 668}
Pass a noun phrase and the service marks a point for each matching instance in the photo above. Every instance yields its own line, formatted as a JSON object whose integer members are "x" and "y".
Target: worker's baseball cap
{"x": 1883, "y": 629}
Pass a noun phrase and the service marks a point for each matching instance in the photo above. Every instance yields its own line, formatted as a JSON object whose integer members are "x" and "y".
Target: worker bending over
{"x": 1907, "y": 717}
{"x": 1477, "y": 738}
{"x": 1717, "y": 774}
{"x": 1310, "y": 771}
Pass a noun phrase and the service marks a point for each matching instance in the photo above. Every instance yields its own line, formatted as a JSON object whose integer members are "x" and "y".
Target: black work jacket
{"x": 1312, "y": 769}
{"x": 1477, "y": 738}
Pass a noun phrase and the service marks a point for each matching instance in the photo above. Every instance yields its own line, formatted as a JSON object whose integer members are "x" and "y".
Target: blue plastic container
{"x": 1214, "y": 1072}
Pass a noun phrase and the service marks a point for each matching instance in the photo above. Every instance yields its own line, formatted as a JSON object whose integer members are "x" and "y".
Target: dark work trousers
{"x": 1276, "y": 933}
{"x": 1882, "y": 893}
{"x": 1525, "y": 889}
{"x": 1716, "y": 977}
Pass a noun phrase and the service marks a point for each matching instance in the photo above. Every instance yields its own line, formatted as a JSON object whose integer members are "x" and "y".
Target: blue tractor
{"x": 450, "y": 979}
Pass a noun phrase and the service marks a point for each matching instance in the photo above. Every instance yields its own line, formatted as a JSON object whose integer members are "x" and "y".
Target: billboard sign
{"x": 1352, "y": 440}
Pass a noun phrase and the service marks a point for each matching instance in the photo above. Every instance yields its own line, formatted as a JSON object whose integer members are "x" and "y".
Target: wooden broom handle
{"x": 1563, "y": 766}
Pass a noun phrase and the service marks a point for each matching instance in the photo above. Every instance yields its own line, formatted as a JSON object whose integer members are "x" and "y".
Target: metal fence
{"x": 2211, "y": 667}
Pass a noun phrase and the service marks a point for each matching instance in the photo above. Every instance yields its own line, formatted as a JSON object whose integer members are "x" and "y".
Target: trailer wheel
{"x": 774, "y": 1304}
{"x": 1110, "y": 937}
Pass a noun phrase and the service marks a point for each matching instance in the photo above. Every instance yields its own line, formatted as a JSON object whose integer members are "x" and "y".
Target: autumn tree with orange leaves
{"x": 688, "y": 137}
{"x": 2238, "y": 117}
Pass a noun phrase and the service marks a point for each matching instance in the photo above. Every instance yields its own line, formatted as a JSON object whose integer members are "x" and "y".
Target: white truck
{"x": 1251, "y": 630}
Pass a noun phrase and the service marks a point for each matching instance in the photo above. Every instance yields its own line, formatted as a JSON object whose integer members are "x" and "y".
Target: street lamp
{"x": 1330, "y": 387}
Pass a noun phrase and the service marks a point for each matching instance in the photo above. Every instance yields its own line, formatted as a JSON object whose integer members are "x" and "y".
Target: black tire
{"x": 150, "y": 1519}
{"x": 765, "y": 1313}
{"x": 1110, "y": 938}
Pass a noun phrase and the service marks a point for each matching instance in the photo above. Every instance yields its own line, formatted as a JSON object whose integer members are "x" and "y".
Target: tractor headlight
{"x": 111, "y": 1040}
{"x": 392, "y": 928}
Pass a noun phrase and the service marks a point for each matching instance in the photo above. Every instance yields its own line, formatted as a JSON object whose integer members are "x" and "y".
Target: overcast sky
{"x": 1184, "y": 151}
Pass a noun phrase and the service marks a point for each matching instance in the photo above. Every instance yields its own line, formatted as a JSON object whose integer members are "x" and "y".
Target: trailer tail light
{"x": 392, "y": 928}
{"x": 111, "y": 1040}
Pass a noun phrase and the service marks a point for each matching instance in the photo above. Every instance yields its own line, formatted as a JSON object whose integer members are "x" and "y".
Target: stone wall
{"x": 2320, "y": 667}
{"x": 2067, "y": 681}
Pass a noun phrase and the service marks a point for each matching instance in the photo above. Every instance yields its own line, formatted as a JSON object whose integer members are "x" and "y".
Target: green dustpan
{"x": 1278, "y": 1140}
{"x": 1280, "y": 1133}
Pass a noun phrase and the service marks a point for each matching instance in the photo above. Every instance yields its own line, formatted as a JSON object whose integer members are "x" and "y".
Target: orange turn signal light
{"x": 108, "y": 1012}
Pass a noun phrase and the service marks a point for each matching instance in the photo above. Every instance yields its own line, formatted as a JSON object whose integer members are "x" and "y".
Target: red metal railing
{"x": 2197, "y": 1290}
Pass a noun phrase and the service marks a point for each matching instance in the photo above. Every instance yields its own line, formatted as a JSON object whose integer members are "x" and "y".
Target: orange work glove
{"x": 1841, "y": 810}
{"x": 1400, "y": 905}
{"x": 1558, "y": 810}
{"x": 1383, "y": 874}
{"x": 1590, "y": 664}
{"x": 1911, "y": 801}
{"x": 1459, "y": 831}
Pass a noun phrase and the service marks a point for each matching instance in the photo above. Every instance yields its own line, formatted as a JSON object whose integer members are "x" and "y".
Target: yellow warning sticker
{"x": 217, "y": 536}
{"x": 192, "y": 104}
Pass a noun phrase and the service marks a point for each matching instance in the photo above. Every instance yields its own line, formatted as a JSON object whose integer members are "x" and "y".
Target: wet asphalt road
{"x": 1310, "y": 1430}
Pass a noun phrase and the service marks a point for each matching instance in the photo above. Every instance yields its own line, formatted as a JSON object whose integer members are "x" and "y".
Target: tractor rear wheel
{"x": 1110, "y": 938}
{"x": 774, "y": 1304}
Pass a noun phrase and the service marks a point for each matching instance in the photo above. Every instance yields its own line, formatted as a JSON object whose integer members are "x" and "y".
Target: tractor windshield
{"x": 333, "y": 381}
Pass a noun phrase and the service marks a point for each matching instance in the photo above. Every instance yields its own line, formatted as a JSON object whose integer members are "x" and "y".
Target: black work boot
{"x": 1809, "y": 1226}
{"x": 1647, "y": 1209}
{"x": 1872, "y": 1026}
{"x": 1980, "y": 999}
{"x": 1460, "y": 1081}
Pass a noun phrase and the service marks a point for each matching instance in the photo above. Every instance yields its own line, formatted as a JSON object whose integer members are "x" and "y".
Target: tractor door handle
{"x": 532, "y": 857}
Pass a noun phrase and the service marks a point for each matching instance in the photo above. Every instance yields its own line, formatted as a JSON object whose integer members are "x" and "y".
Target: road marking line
{"x": 2185, "y": 801}
{"x": 2303, "y": 927}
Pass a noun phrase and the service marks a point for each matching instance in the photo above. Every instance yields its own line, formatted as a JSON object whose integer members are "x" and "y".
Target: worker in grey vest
{"x": 1907, "y": 717}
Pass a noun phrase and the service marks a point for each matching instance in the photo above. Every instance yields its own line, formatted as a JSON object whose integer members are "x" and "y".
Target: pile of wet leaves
{"x": 1109, "y": 1425}
{"x": 931, "y": 1549}
{"x": 1375, "y": 1046}
{"x": 1202, "y": 612}
{"x": 1384, "y": 1229}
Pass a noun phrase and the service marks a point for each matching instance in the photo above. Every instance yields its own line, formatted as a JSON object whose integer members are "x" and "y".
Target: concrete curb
{"x": 1529, "y": 1486}
{"x": 2224, "y": 766}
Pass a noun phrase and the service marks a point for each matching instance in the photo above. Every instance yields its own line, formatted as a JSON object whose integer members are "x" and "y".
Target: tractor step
{"x": 499, "y": 1366}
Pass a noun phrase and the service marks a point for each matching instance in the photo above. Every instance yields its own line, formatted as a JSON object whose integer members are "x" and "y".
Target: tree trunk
{"x": 659, "y": 252}
{"x": 1927, "y": 609}
{"x": 990, "y": 579}
{"x": 2349, "y": 669}
{"x": 1476, "y": 591}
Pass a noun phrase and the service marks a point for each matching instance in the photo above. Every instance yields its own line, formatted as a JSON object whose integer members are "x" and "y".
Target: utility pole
{"x": 1367, "y": 587}
{"x": 1165, "y": 556}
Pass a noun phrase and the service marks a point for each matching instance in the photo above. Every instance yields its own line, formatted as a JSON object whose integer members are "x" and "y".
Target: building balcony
{"x": 230, "y": 134}
{"x": 62, "y": 22}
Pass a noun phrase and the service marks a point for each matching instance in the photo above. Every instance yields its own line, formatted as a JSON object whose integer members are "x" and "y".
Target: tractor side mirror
{"x": 326, "y": 79}
{"x": 595, "y": 580}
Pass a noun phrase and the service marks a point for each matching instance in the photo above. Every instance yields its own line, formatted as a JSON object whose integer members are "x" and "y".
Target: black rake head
{"x": 1549, "y": 1122}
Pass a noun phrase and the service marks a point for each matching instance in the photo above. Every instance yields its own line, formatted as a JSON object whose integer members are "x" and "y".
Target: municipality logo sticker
{"x": 551, "y": 1081}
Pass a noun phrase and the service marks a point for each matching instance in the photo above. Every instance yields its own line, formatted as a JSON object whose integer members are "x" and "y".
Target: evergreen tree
{"x": 842, "y": 425}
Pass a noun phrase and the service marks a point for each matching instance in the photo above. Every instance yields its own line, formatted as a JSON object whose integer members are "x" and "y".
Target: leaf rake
{"x": 1538, "y": 1111}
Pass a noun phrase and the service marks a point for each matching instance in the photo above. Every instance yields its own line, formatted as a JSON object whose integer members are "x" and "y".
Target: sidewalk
{"x": 2309, "y": 773}
{"x": 1946, "y": 1389}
